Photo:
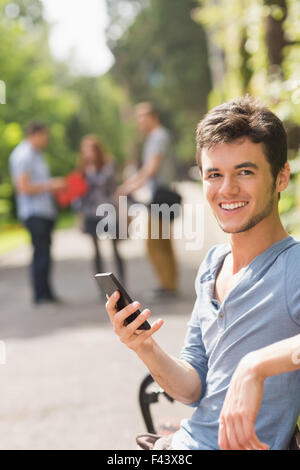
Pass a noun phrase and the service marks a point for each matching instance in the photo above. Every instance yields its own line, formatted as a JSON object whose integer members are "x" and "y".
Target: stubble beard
{"x": 257, "y": 218}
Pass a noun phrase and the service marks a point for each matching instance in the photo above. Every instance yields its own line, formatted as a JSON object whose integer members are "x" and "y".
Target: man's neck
{"x": 245, "y": 246}
{"x": 33, "y": 145}
{"x": 153, "y": 128}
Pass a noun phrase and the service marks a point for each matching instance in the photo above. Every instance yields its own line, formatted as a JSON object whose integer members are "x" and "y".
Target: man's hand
{"x": 24, "y": 185}
{"x": 120, "y": 191}
{"x": 177, "y": 377}
{"x": 240, "y": 408}
{"x": 129, "y": 334}
{"x": 55, "y": 184}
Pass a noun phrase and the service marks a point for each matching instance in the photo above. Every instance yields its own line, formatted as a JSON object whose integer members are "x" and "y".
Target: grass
{"x": 15, "y": 235}
{"x": 12, "y": 238}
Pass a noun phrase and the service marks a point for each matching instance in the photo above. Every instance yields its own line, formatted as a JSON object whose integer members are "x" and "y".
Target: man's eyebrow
{"x": 209, "y": 170}
{"x": 236, "y": 167}
{"x": 246, "y": 165}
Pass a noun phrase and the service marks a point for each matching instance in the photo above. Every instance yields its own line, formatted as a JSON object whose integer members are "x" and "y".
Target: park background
{"x": 184, "y": 56}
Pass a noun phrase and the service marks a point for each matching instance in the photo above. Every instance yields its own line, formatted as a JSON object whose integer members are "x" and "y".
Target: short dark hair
{"x": 244, "y": 117}
{"x": 34, "y": 127}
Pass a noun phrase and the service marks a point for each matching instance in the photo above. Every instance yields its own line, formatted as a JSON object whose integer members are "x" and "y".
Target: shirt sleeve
{"x": 159, "y": 144}
{"x": 194, "y": 351}
{"x": 21, "y": 165}
{"x": 292, "y": 283}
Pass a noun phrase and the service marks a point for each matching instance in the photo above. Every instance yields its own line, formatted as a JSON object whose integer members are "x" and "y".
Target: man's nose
{"x": 229, "y": 186}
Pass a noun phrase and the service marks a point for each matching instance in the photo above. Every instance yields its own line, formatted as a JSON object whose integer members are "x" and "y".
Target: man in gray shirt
{"x": 35, "y": 204}
{"x": 244, "y": 332}
{"x": 158, "y": 170}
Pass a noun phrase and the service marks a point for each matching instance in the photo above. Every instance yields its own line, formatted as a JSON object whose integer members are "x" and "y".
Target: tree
{"x": 162, "y": 57}
{"x": 38, "y": 87}
{"x": 260, "y": 44}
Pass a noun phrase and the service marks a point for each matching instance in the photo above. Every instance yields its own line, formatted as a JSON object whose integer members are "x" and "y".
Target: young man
{"x": 158, "y": 168}
{"x": 248, "y": 295}
{"x": 35, "y": 204}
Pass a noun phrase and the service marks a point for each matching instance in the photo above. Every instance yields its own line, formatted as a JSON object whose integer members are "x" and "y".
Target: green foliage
{"x": 99, "y": 112}
{"x": 162, "y": 57}
{"x": 38, "y": 87}
{"x": 244, "y": 36}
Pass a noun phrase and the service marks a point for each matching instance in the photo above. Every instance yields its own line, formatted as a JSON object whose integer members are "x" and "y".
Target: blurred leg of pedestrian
{"x": 99, "y": 266}
{"x": 40, "y": 230}
{"x": 161, "y": 254}
{"x": 98, "y": 260}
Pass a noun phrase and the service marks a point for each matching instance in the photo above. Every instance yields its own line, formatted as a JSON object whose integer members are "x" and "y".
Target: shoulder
{"x": 163, "y": 133}
{"x": 21, "y": 152}
{"x": 160, "y": 134}
{"x": 292, "y": 260}
{"x": 21, "y": 159}
{"x": 292, "y": 281}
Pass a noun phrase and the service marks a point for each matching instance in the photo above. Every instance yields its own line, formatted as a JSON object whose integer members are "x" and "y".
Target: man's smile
{"x": 233, "y": 206}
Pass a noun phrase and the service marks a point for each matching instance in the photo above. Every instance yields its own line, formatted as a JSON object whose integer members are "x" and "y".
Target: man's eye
{"x": 213, "y": 175}
{"x": 246, "y": 172}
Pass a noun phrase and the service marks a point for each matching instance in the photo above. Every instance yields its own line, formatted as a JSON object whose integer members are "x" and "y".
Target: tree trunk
{"x": 275, "y": 37}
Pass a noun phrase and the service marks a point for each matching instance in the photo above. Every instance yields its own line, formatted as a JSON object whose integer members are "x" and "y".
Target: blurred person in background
{"x": 158, "y": 168}
{"x": 99, "y": 172}
{"x": 35, "y": 204}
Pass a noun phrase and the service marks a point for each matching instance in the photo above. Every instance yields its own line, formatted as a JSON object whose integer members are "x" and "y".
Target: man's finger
{"x": 249, "y": 432}
{"x": 110, "y": 305}
{"x": 223, "y": 439}
{"x": 240, "y": 434}
{"x": 133, "y": 326}
{"x": 121, "y": 316}
{"x": 156, "y": 326}
{"x": 231, "y": 435}
{"x": 147, "y": 333}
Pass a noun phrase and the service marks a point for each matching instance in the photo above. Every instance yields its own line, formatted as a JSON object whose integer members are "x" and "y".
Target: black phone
{"x": 109, "y": 284}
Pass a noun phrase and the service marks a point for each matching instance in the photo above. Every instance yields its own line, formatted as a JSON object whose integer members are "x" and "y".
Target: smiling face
{"x": 239, "y": 185}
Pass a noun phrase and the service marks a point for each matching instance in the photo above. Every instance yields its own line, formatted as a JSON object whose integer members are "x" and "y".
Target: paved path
{"x": 68, "y": 382}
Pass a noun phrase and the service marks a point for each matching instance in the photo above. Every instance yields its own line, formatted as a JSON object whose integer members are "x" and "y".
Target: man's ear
{"x": 283, "y": 178}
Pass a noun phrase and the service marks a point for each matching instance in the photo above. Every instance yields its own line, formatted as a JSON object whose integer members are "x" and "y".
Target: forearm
{"x": 137, "y": 180}
{"x": 277, "y": 358}
{"x": 245, "y": 392}
{"x": 178, "y": 378}
{"x": 133, "y": 183}
{"x": 33, "y": 189}
{"x": 25, "y": 185}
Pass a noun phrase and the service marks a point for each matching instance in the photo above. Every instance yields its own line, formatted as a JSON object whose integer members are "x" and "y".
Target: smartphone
{"x": 109, "y": 284}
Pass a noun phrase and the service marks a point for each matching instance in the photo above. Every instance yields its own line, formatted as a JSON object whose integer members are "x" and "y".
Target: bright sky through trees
{"x": 78, "y": 34}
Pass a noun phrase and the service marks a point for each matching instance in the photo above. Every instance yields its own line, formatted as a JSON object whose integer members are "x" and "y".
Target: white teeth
{"x": 233, "y": 206}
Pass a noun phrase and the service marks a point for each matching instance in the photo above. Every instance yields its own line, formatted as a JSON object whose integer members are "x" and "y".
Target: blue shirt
{"x": 25, "y": 159}
{"x": 263, "y": 308}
